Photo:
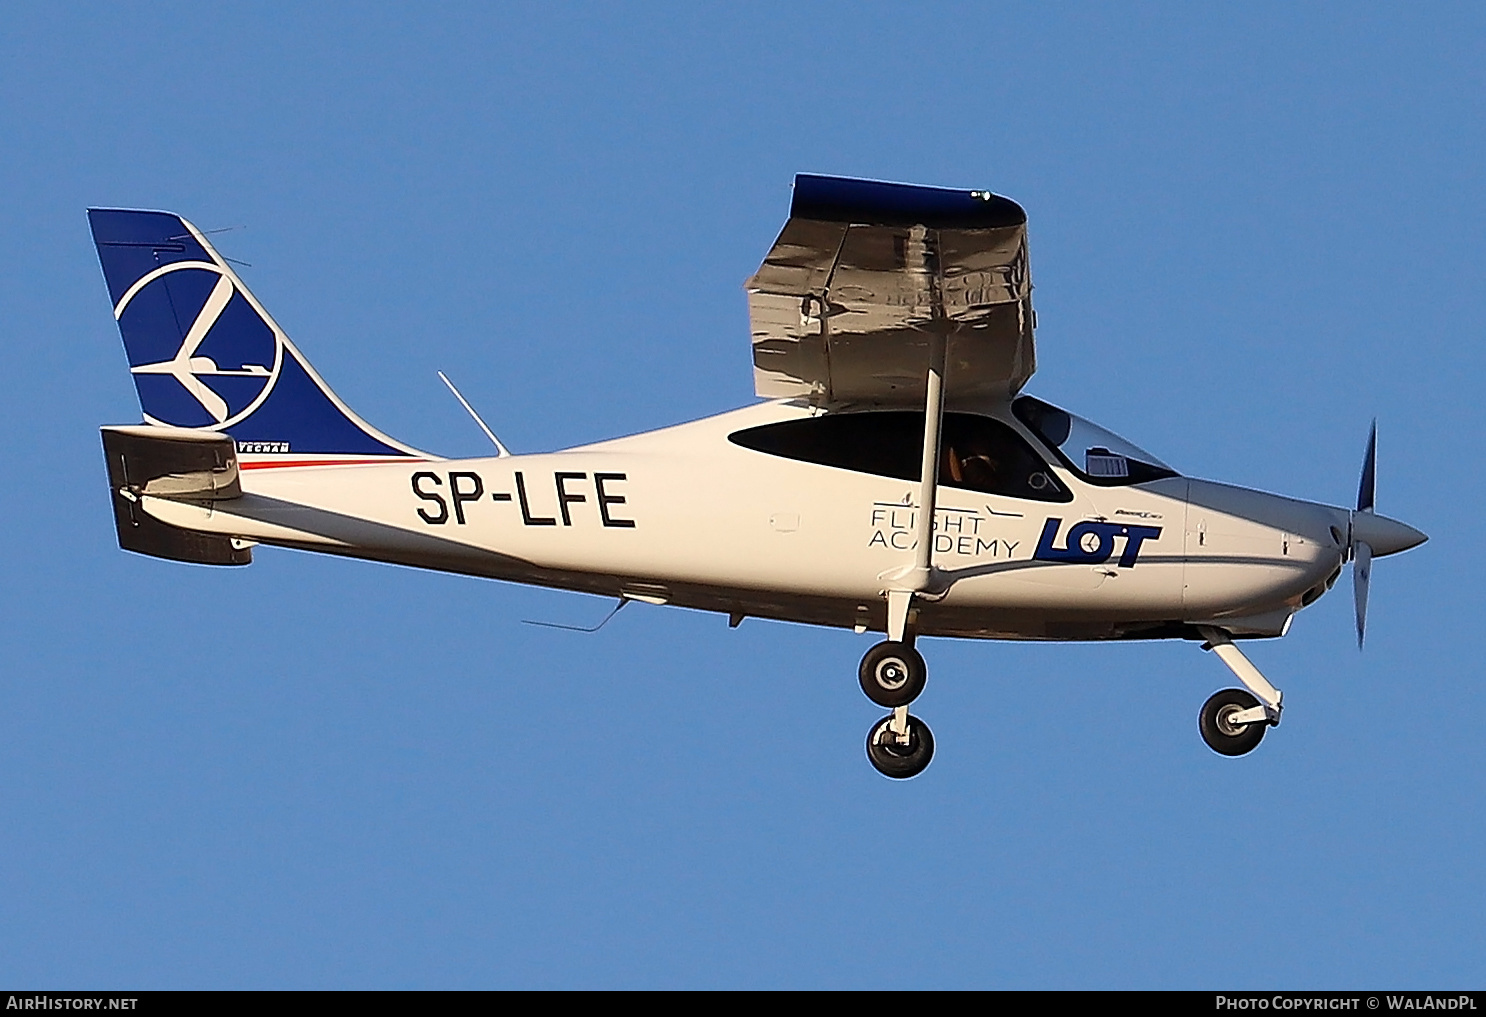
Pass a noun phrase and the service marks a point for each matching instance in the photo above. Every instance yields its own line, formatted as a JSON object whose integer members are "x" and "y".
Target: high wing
{"x": 841, "y": 307}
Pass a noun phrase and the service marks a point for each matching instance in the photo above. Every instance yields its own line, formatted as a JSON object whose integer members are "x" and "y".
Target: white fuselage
{"x": 685, "y": 516}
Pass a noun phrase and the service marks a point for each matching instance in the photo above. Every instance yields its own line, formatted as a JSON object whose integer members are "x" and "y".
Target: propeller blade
{"x": 1367, "y": 490}
{"x": 1361, "y": 576}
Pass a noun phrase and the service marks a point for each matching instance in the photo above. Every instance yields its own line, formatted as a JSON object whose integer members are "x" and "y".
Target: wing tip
{"x": 884, "y": 203}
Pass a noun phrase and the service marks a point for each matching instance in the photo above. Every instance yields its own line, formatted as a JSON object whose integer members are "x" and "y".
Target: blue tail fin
{"x": 205, "y": 354}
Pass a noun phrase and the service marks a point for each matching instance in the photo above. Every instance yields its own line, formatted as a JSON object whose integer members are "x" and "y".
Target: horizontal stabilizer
{"x": 179, "y": 464}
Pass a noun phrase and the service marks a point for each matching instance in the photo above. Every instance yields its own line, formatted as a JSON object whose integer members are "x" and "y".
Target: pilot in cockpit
{"x": 969, "y": 463}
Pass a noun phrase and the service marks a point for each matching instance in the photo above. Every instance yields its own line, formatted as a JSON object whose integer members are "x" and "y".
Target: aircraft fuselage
{"x": 685, "y": 516}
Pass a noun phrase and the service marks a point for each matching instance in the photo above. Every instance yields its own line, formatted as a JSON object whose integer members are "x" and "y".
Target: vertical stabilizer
{"x": 205, "y": 354}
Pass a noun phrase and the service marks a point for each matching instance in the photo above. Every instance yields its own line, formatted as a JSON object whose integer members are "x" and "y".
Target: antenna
{"x": 579, "y": 628}
{"x": 499, "y": 448}
{"x": 220, "y": 229}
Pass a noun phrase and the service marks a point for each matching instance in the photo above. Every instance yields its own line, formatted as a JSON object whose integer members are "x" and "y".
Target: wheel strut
{"x": 899, "y": 726}
{"x": 1270, "y": 698}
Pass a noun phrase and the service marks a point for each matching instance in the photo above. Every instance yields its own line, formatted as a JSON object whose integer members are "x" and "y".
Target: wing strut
{"x": 928, "y": 484}
{"x": 920, "y": 578}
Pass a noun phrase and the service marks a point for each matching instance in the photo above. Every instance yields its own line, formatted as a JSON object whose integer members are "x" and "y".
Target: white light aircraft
{"x": 895, "y": 478}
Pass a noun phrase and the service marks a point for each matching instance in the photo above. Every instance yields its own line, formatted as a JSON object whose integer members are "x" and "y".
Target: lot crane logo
{"x": 228, "y": 357}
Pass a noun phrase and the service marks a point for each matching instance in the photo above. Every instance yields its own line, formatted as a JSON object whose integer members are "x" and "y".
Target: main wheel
{"x": 900, "y": 761}
{"x": 1218, "y": 730}
{"x": 892, "y": 674}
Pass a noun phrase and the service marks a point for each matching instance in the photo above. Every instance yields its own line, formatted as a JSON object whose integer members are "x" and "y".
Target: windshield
{"x": 1098, "y": 456}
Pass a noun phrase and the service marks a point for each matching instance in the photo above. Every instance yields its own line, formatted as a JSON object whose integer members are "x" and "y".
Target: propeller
{"x": 1372, "y": 534}
{"x": 1367, "y": 494}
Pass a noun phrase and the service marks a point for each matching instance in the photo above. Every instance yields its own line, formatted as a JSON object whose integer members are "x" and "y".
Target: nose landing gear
{"x": 1233, "y": 721}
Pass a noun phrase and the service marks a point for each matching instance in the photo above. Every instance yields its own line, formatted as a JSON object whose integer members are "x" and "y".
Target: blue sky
{"x": 1253, "y": 228}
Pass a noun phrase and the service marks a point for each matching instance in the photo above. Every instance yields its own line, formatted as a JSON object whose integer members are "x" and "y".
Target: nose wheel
{"x": 892, "y": 675}
{"x": 1222, "y": 728}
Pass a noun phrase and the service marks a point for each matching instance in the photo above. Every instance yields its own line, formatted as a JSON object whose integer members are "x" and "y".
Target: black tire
{"x": 892, "y": 674}
{"x": 1225, "y": 738}
{"x": 899, "y": 761}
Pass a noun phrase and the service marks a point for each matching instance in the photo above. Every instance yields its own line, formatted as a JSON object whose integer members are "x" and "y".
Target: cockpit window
{"x": 1098, "y": 456}
{"x": 977, "y": 453}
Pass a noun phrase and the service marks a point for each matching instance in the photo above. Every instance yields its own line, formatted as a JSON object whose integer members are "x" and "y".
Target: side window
{"x": 887, "y": 444}
{"x": 983, "y": 454}
{"x": 977, "y": 453}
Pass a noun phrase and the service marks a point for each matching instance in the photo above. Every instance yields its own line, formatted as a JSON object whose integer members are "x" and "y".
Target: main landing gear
{"x": 1233, "y": 721}
{"x": 892, "y": 675}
